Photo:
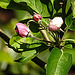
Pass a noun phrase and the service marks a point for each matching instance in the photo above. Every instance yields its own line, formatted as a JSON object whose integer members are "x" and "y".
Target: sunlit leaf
{"x": 68, "y": 4}
{"x": 4, "y": 3}
{"x": 73, "y": 7}
{"x": 39, "y": 6}
{"x": 26, "y": 56}
{"x": 20, "y": 44}
{"x": 71, "y": 51}
{"x": 70, "y": 22}
{"x": 58, "y": 63}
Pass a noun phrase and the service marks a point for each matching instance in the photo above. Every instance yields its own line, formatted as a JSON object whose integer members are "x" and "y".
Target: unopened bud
{"x": 36, "y": 17}
{"x": 22, "y": 30}
{"x": 55, "y": 24}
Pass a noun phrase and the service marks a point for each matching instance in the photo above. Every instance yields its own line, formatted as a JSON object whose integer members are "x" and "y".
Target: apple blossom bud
{"x": 22, "y": 30}
{"x": 52, "y": 27}
{"x": 55, "y": 24}
{"x": 36, "y": 17}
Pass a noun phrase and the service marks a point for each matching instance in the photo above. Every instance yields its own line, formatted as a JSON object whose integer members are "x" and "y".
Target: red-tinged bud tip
{"x": 36, "y": 17}
{"x": 22, "y": 30}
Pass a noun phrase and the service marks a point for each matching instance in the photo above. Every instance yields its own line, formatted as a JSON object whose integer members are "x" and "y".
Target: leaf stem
{"x": 40, "y": 39}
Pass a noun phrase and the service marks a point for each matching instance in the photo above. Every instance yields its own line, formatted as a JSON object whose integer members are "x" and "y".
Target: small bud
{"x": 22, "y": 30}
{"x": 36, "y": 17}
{"x": 55, "y": 24}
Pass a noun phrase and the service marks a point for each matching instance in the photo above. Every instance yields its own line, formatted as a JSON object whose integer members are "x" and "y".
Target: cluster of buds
{"x": 54, "y": 24}
{"x": 22, "y": 30}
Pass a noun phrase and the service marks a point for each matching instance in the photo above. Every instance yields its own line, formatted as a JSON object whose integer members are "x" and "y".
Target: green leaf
{"x": 52, "y": 1}
{"x": 4, "y": 3}
{"x": 20, "y": 6}
{"x": 34, "y": 27}
{"x": 20, "y": 44}
{"x": 29, "y": 47}
{"x": 69, "y": 43}
{"x": 39, "y": 6}
{"x": 71, "y": 51}
{"x": 68, "y": 5}
{"x": 29, "y": 3}
{"x": 59, "y": 63}
{"x": 73, "y": 7}
{"x": 22, "y": 15}
{"x": 15, "y": 40}
{"x": 26, "y": 56}
{"x": 73, "y": 25}
{"x": 70, "y": 22}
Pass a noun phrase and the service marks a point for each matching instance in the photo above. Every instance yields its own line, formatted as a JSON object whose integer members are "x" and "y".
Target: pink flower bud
{"x": 52, "y": 27}
{"x": 22, "y": 30}
{"x": 55, "y": 24}
{"x": 36, "y": 17}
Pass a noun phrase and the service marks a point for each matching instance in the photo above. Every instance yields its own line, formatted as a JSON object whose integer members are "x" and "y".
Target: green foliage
{"x": 34, "y": 27}
{"x": 25, "y": 44}
{"x": 28, "y": 46}
{"x": 22, "y": 15}
{"x": 31, "y": 6}
{"x": 4, "y": 3}
{"x": 68, "y": 5}
{"x": 57, "y": 61}
{"x": 70, "y": 22}
{"x": 70, "y": 42}
{"x": 72, "y": 52}
{"x": 26, "y": 56}
{"x": 73, "y": 7}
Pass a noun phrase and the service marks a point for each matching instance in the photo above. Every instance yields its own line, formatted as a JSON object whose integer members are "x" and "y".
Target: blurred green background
{"x": 8, "y": 20}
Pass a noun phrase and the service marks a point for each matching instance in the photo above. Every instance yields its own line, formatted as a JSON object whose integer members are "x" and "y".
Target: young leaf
{"x": 34, "y": 27}
{"x": 70, "y": 22}
{"x": 70, "y": 43}
{"x": 26, "y": 56}
{"x": 68, "y": 4}
{"x": 38, "y": 6}
{"x": 71, "y": 51}
{"x": 59, "y": 63}
{"x": 73, "y": 25}
{"x": 73, "y": 7}
{"x": 20, "y": 44}
{"x": 20, "y": 6}
{"x": 29, "y": 47}
{"x": 4, "y": 3}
